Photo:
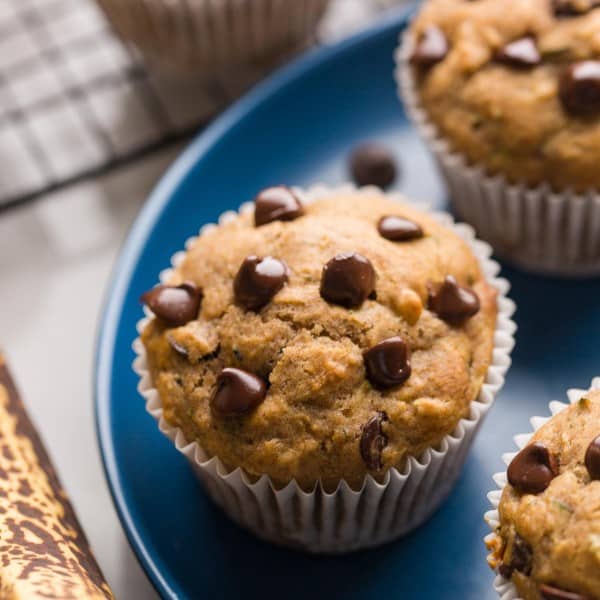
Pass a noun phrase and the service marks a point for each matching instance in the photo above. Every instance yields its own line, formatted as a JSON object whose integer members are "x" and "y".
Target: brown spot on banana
{"x": 44, "y": 553}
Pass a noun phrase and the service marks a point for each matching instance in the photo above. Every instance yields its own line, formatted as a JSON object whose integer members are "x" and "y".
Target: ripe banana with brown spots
{"x": 44, "y": 553}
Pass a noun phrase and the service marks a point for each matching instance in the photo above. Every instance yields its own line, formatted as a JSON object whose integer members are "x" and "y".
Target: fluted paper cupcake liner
{"x": 345, "y": 519}
{"x": 505, "y": 588}
{"x": 215, "y": 34}
{"x": 535, "y": 228}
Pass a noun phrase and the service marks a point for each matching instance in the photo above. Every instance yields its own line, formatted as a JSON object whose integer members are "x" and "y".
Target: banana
{"x": 44, "y": 553}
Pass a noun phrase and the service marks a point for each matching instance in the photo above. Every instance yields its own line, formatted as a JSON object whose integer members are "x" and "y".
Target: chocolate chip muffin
{"x": 322, "y": 341}
{"x": 514, "y": 85}
{"x": 548, "y": 539}
{"x": 216, "y": 38}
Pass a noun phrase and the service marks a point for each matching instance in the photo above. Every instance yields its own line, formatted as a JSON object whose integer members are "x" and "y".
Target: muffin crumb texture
{"x": 514, "y": 85}
{"x": 548, "y": 541}
{"x": 359, "y": 370}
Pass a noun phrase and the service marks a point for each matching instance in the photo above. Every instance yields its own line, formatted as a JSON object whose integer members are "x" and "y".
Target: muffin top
{"x": 549, "y": 536}
{"x": 321, "y": 341}
{"x": 515, "y": 85}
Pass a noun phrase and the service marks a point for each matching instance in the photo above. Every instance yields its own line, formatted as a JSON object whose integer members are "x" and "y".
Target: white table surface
{"x": 55, "y": 261}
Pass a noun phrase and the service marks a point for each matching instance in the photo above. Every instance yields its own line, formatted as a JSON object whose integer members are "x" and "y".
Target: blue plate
{"x": 297, "y": 128}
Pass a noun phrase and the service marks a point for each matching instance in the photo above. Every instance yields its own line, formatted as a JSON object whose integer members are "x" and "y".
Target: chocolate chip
{"x": 570, "y": 8}
{"x": 522, "y": 557}
{"x": 532, "y": 470}
{"x": 399, "y": 229}
{"x": 520, "y": 53}
{"x": 388, "y": 363}
{"x": 175, "y": 305}
{"x": 505, "y": 571}
{"x": 551, "y": 593}
{"x": 431, "y": 48}
{"x": 373, "y": 164}
{"x": 348, "y": 279}
{"x": 518, "y": 557}
{"x": 592, "y": 459}
{"x": 579, "y": 88}
{"x": 373, "y": 441}
{"x": 452, "y": 302}
{"x": 237, "y": 392}
{"x": 276, "y": 204}
{"x": 563, "y": 8}
{"x": 258, "y": 280}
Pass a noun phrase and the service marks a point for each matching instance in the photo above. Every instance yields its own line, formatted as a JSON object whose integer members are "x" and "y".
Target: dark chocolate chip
{"x": 373, "y": 441}
{"x": 431, "y": 47}
{"x": 532, "y": 469}
{"x": 258, "y": 280}
{"x": 579, "y": 88}
{"x": 276, "y": 204}
{"x": 564, "y": 8}
{"x": 549, "y": 592}
{"x": 399, "y": 229}
{"x": 452, "y": 302}
{"x": 520, "y": 557}
{"x": 373, "y": 164}
{"x": 388, "y": 363}
{"x": 571, "y": 8}
{"x": 237, "y": 392}
{"x": 520, "y": 53}
{"x": 348, "y": 279}
{"x": 175, "y": 305}
{"x": 505, "y": 571}
{"x": 592, "y": 459}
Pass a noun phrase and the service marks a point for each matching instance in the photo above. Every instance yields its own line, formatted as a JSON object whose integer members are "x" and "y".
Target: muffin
{"x": 213, "y": 36}
{"x": 328, "y": 344}
{"x": 507, "y": 95}
{"x": 547, "y": 537}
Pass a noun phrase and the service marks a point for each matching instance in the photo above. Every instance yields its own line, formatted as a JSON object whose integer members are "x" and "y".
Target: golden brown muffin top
{"x": 549, "y": 535}
{"x": 354, "y": 356}
{"x": 515, "y": 85}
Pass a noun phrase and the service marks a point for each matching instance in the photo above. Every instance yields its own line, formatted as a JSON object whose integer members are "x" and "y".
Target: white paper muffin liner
{"x": 506, "y": 589}
{"x": 215, "y": 34}
{"x": 535, "y": 228}
{"x": 345, "y": 519}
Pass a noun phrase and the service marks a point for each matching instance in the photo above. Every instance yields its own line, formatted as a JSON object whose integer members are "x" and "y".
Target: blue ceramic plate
{"x": 298, "y": 128}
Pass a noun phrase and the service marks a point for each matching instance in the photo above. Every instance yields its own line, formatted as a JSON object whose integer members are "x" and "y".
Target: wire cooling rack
{"x": 75, "y": 101}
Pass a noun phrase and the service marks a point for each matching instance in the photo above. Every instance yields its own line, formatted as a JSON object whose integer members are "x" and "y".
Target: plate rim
{"x": 129, "y": 253}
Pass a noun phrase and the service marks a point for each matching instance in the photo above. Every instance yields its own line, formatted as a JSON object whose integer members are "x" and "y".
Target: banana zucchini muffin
{"x": 321, "y": 341}
{"x": 514, "y": 85}
{"x": 548, "y": 541}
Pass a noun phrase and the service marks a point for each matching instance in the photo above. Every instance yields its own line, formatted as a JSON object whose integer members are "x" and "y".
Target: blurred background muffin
{"x": 212, "y": 35}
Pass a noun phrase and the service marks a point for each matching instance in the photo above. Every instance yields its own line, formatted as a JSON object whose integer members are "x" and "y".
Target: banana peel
{"x": 44, "y": 553}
